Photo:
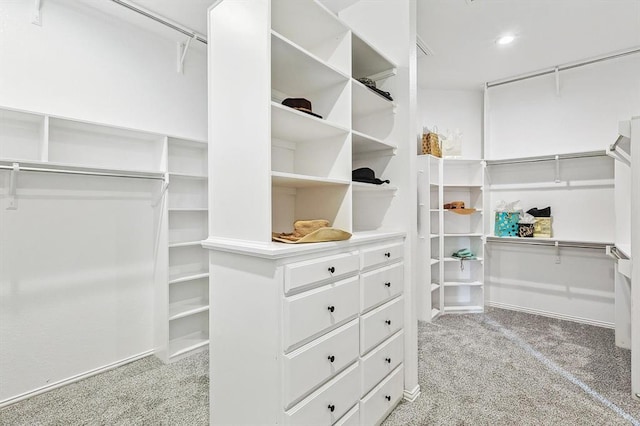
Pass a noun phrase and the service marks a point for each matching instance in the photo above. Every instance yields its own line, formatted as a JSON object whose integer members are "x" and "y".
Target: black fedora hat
{"x": 301, "y": 104}
{"x": 366, "y": 175}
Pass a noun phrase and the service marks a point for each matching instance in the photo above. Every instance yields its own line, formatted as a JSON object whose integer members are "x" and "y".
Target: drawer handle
{"x": 388, "y": 322}
{"x": 331, "y": 407}
{"x": 331, "y": 358}
{"x": 387, "y": 284}
{"x": 331, "y": 269}
{"x": 388, "y": 360}
{"x": 387, "y": 254}
{"x": 331, "y": 308}
{"x": 387, "y": 397}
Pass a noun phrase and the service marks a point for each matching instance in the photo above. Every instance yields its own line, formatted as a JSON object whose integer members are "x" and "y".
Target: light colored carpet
{"x": 497, "y": 368}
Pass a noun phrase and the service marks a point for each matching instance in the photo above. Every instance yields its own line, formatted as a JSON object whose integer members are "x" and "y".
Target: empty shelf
{"x": 462, "y": 284}
{"x": 187, "y": 277}
{"x": 185, "y": 308}
{"x": 187, "y": 343}
{"x": 470, "y": 308}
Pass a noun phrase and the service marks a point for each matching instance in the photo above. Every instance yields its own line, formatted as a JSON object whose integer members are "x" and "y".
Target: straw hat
{"x": 458, "y": 207}
{"x": 311, "y": 231}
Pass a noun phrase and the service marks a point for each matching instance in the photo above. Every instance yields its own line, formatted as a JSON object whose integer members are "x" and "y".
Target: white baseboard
{"x": 412, "y": 395}
{"x": 73, "y": 379}
{"x": 551, "y": 314}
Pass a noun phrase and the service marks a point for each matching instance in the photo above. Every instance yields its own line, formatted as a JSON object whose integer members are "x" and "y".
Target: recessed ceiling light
{"x": 506, "y": 39}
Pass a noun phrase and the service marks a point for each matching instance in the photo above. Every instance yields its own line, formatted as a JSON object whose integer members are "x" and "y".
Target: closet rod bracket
{"x": 557, "y": 252}
{"x": 36, "y": 17}
{"x": 557, "y": 159}
{"x": 163, "y": 190}
{"x": 13, "y": 182}
{"x": 182, "y": 53}
{"x": 557, "y": 73}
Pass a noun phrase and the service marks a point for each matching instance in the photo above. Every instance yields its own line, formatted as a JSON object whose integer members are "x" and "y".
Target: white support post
{"x": 557, "y": 72}
{"x": 557, "y": 169}
{"x": 182, "y": 53}
{"x": 557, "y": 252}
{"x": 13, "y": 182}
{"x": 35, "y": 15}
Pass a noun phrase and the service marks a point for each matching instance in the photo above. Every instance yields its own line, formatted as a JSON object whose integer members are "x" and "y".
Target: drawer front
{"x": 380, "y": 323}
{"x": 312, "y": 312}
{"x": 319, "y": 360}
{"x": 381, "y": 284}
{"x": 377, "y": 405}
{"x": 381, "y": 254}
{"x": 300, "y": 274}
{"x": 381, "y": 361}
{"x": 352, "y": 418}
{"x": 329, "y": 403}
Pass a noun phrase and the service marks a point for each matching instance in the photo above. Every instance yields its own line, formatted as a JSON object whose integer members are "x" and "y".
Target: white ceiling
{"x": 461, "y": 33}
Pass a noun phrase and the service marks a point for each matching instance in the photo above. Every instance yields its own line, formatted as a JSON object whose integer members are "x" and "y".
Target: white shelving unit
{"x": 299, "y": 166}
{"x": 186, "y": 327}
{"x": 455, "y": 286}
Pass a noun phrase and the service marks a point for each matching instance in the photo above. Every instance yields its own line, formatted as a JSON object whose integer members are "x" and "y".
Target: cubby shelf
{"x": 434, "y": 286}
{"x": 295, "y": 126}
{"x": 363, "y": 143}
{"x": 463, "y": 284}
{"x": 454, "y": 259}
{"x": 296, "y": 70}
{"x": 434, "y": 261}
{"x": 460, "y": 309}
{"x": 369, "y": 62}
{"x": 370, "y": 187}
{"x": 187, "y": 209}
{"x": 292, "y": 180}
{"x": 188, "y": 343}
{"x": 185, "y": 308}
{"x": 181, "y": 278}
{"x": 187, "y": 176}
{"x": 185, "y": 244}
{"x": 367, "y": 102}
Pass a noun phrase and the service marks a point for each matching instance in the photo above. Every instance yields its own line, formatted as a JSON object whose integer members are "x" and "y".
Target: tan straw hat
{"x": 458, "y": 207}
{"x": 311, "y": 231}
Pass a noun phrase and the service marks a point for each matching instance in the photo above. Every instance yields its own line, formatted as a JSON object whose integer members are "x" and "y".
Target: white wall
{"x": 84, "y": 64}
{"x": 77, "y": 256}
{"x": 454, "y": 109}
{"x": 528, "y": 118}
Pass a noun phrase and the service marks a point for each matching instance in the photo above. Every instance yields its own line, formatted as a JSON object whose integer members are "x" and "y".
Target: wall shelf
{"x": 363, "y": 143}
{"x": 539, "y": 158}
{"x": 295, "y": 126}
{"x": 292, "y": 180}
{"x": 185, "y": 308}
{"x": 370, "y": 187}
{"x": 367, "y": 102}
{"x": 188, "y": 343}
{"x": 181, "y": 278}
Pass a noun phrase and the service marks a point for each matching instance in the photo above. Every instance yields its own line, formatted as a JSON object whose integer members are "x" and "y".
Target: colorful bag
{"x": 431, "y": 144}
{"x": 506, "y": 224}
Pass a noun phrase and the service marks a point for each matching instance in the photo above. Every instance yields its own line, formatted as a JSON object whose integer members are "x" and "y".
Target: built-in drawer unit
{"x": 307, "y": 272}
{"x": 380, "y": 323}
{"x": 329, "y": 403}
{"x": 352, "y": 418}
{"x": 382, "y": 399}
{"x": 381, "y": 284}
{"x": 314, "y": 311}
{"x": 381, "y": 254}
{"x": 381, "y": 361}
{"x": 319, "y": 360}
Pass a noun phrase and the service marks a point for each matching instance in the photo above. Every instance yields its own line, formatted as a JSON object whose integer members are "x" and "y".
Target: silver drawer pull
{"x": 331, "y": 407}
{"x": 331, "y": 308}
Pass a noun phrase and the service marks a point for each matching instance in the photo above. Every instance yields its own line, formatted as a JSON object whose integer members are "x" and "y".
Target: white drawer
{"x": 381, "y": 361}
{"x": 377, "y": 405}
{"x": 329, "y": 403}
{"x": 310, "y": 271}
{"x": 319, "y": 360}
{"x": 380, "y": 323}
{"x": 381, "y": 254}
{"x": 314, "y": 311}
{"x": 352, "y": 418}
{"x": 380, "y": 285}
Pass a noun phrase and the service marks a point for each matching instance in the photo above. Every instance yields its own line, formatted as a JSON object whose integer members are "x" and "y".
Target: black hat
{"x": 300, "y": 104}
{"x": 536, "y": 212}
{"x": 366, "y": 175}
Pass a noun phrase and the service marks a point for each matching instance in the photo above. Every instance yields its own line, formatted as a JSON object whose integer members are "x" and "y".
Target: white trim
{"x": 411, "y": 395}
{"x": 75, "y": 378}
{"x": 550, "y": 314}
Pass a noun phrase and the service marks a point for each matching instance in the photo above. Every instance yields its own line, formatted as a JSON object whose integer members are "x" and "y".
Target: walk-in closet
{"x": 319, "y": 212}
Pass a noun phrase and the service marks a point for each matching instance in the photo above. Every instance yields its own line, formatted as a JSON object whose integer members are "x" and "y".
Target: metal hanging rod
{"x": 565, "y": 67}
{"x": 153, "y": 176}
{"x": 587, "y": 154}
{"x": 549, "y": 243}
{"x": 159, "y": 19}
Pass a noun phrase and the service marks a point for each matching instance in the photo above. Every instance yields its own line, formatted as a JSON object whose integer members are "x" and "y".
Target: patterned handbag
{"x": 431, "y": 144}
